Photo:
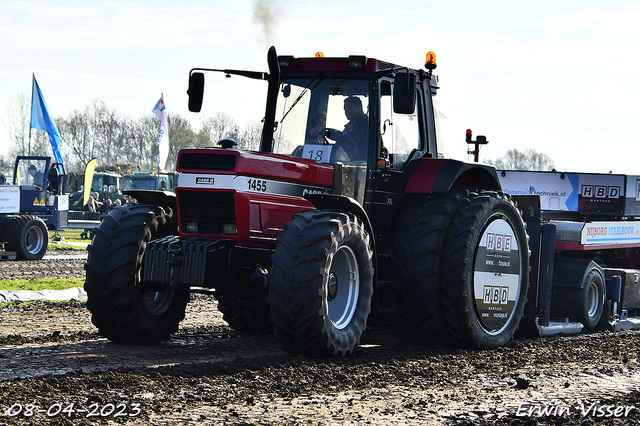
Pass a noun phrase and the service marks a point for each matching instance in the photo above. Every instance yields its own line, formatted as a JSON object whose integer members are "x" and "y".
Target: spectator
{"x": 91, "y": 205}
{"x": 96, "y": 199}
{"x": 106, "y": 207}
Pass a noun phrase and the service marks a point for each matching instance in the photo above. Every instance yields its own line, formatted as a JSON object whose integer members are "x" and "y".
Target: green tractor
{"x": 154, "y": 181}
{"x": 107, "y": 184}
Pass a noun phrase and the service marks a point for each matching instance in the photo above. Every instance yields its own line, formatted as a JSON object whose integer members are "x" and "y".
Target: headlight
{"x": 229, "y": 229}
{"x": 191, "y": 227}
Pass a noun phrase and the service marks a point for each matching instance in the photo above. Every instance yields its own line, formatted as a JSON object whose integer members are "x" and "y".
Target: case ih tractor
{"x": 347, "y": 215}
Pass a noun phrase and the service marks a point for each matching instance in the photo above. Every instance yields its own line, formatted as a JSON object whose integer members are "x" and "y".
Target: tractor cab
{"x": 41, "y": 182}
{"x": 359, "y": 114}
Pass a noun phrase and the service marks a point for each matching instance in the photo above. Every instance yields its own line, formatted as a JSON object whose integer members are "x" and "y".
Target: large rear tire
{"x": 485, "y": 272}
{"x": 28, "y": 236}
{"x": 416, "y": 242}
{"x": 321, "y": 284}
{"x": 122, "y": 307}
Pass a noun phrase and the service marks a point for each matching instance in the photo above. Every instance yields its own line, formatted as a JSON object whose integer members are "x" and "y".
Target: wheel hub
{"x": 332, "y": 287}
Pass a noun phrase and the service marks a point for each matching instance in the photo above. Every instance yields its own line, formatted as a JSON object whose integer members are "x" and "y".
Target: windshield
{"x": 325, "y": 119}
{"x": 31, "y": 172}
{"x": 129, "y": 182}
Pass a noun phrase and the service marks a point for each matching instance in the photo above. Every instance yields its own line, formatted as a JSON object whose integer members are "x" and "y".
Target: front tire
{"x": 321, "y": 284}
{"x": 28, "y": 236}
{"x": 485, "y": 272}
{"x": 122, "y": 307}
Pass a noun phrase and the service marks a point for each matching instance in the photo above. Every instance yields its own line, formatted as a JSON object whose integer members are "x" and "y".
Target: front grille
{"x": 203, "y": 161}
{"x": 209, "y": 209}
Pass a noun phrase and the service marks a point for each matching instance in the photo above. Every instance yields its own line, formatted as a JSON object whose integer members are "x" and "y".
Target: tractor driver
{"x": 36, "y": 174}
{"x": 353, "y": 138}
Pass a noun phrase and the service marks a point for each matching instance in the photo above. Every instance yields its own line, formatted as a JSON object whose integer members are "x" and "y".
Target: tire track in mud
{"x": 212, "y": 378}
{"x": 50, "y": 354}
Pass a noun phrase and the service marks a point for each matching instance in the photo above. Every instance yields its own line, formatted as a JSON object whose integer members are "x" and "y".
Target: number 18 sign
{"x": 319, "y": 152}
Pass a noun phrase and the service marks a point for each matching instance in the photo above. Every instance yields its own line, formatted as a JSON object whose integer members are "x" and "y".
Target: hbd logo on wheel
{"x": 496, "y": 295}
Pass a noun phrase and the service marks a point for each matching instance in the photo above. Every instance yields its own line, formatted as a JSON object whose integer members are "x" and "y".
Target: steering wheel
{"x": 323, "y": 135}
{"x": 320, "y": 137}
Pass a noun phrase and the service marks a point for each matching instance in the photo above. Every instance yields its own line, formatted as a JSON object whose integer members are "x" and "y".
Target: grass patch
{"x": 70, "y": 240}
{"x": 74, "y": 235}
{"x": 59, "y": 245}
{"x": 41, "y": 284}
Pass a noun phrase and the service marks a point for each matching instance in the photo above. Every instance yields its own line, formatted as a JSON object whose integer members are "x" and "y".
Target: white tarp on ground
{"x": 76, "y": 293}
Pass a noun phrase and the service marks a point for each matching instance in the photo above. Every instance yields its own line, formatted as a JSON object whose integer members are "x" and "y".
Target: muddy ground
{"x": 56, "y": 369}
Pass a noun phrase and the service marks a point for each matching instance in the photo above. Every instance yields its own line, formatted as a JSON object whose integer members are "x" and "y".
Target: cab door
{"x": 401, "y": 145}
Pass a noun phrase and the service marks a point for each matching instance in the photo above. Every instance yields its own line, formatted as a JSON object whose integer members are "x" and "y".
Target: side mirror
{"x": 286, "y": 91}
{"x": 195, "y": 91}
{"x": 404, "y": 93}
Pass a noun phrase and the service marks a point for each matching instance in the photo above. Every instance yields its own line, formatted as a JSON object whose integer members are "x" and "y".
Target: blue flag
{"x": 40, "y": 119}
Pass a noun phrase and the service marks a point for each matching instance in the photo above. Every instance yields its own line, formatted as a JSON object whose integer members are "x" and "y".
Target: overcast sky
{"x": 560, "y": 77}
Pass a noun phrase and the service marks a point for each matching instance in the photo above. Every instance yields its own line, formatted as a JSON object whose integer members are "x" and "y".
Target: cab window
{"x": 400, "y": 132}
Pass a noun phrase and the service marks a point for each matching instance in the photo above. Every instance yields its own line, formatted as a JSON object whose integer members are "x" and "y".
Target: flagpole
{"x": 165, "y": 113}
{"x": 33, "y": 77}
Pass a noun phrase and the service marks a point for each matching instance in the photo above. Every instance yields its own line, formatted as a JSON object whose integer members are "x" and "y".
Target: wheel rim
{"x": 497, "y": 275}
{"x": 157, "y": 302}
{"x": 343, "y": 287}
{"x": 592, "y": 300}
{"x": 34, "y": 240}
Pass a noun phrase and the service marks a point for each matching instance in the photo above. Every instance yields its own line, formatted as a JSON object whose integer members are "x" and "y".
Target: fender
{"x": 440, "y": 175}
{"x": 164, "y": 199}
{"x": 342, "y": 203}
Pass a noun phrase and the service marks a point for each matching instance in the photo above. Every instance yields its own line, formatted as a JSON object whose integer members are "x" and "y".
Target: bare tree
{"x": 143, "y": 139}
{"x": 6, "y": 166}
{"x": 529, "y": 159}
{"x": 181, "y": 136}
{"x": 17, "y": 122}
{"x": 77, "y": 133}
{"x": 249, "y": 138}
{"x": 26, "y": 141}
{"x": 115, "y": 140}
{"x": 220, "y": 126}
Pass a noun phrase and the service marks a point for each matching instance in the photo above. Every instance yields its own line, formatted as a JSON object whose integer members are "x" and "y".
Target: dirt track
{"x": 51, "y": 356}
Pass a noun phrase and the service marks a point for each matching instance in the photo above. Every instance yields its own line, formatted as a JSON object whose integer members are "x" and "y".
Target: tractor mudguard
{"x": 343, "y": 204}
{"x": 440, "y": 175}
{"x": 164, "y": 199}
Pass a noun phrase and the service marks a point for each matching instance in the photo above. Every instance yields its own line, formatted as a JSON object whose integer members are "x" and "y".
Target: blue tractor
{"x": 32, "y": 203}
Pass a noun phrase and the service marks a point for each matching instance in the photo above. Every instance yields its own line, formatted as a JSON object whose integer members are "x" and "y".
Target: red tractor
{"x": 347, "y": 215}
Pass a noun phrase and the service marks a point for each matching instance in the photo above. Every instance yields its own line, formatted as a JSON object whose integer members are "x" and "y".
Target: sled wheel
{"x": 244, "y": 314}
{"x": 28, "y": 236}
{"x": 321, "y": 284}
{"x": 122, "y": 308}
{"x": 416, "y": 243}
{"x": 585, "y": 305}
{"x": 485, "y": 272}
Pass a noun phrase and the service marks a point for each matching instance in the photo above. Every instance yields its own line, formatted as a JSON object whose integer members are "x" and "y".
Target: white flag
{"x": 163, "y": 138}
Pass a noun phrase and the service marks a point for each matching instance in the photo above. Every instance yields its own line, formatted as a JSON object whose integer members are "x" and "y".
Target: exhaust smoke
{"x": 264, "y": 15}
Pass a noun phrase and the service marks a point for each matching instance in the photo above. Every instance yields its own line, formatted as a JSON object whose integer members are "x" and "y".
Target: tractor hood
{"x": 255, "y": 164}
